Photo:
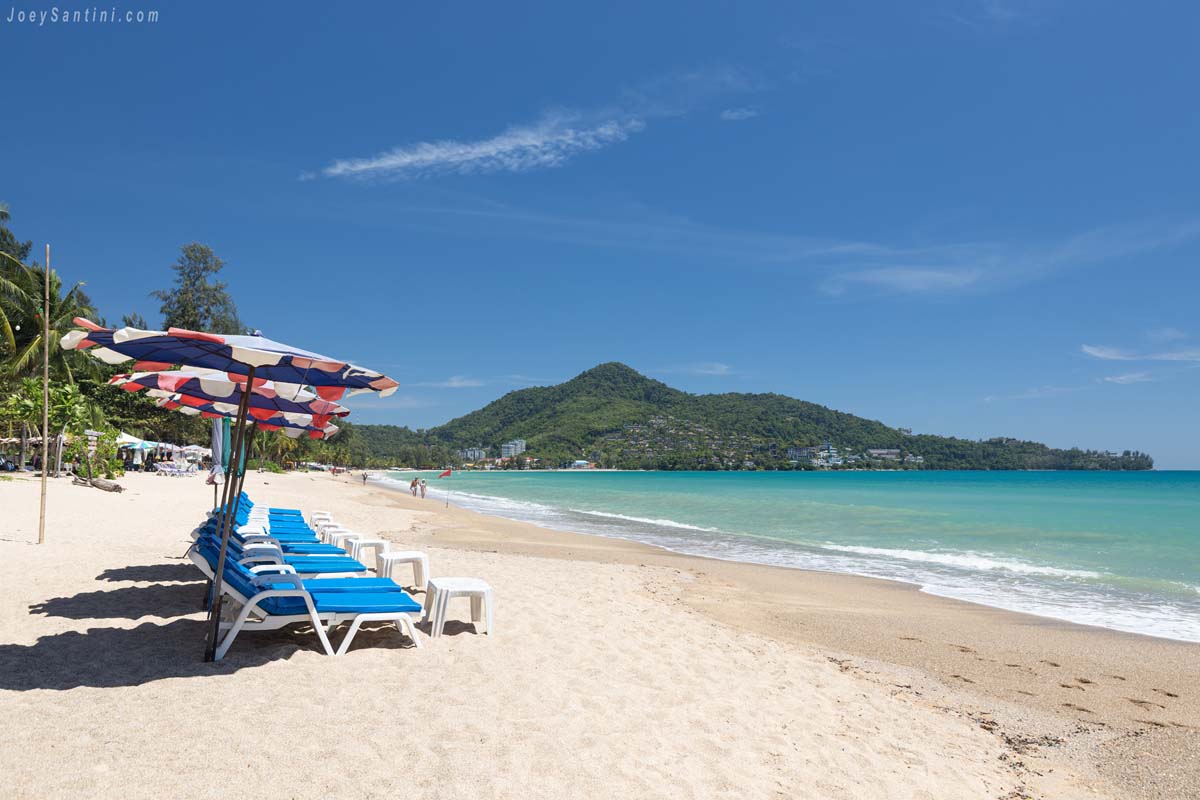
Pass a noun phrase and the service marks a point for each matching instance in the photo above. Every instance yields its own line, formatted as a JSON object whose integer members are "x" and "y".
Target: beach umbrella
{"x": 253, "y": 358}
{"x": 294, "y": 425}
{"x": 267, "y": 397}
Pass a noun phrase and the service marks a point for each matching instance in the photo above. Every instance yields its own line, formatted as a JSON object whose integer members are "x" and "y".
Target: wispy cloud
{"x": 398, "y": 401}
{"x": 453, "y": 382}
{"x": 840, "y": 265}
{"x": 711, "y": 368}
{"x": 554, "y": 138}
{"x": 1036, "y": 393}
{"x": 739, "y": 114}
{"x": 550, "y": 142}
{"x": 1129, "y": 377}
{"x": 1107, "y": 353}
{"x": 996, "y": 14}
{"x": 908, "y": 280}
{"x": 1116, "y": 354}
{"x": 1166, "y": 335}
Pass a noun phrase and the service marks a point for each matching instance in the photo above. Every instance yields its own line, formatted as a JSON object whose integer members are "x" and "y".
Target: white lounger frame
{"x": 251, "y": 617}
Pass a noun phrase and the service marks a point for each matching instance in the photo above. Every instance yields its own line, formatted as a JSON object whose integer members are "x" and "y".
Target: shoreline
{"x": 1095, "y": 690}
{"x": 920, "y": 585}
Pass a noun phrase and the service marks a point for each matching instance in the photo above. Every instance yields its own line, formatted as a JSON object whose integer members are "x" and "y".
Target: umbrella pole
{"x": 214, "y": 619}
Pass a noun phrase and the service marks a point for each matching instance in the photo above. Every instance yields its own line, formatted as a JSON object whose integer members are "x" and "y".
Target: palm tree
{"x": 21, "y": 293}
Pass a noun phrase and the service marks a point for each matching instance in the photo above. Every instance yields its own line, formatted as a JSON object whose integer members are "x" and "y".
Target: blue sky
{"x": 965, "y": 217}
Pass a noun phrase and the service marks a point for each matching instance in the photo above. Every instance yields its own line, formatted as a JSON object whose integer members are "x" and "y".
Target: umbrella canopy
{"x": 126, "y": 439}
{"x": 293, "y": 425}
{"x": 267, "y": 398}
{"x": 235, "y": 355}
{"x": 255, "y": 359}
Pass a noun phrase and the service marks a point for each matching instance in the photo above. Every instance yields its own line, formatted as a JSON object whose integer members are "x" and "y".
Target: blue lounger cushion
{"x": 364, "y": 602}
{"x": 343, "y": 603}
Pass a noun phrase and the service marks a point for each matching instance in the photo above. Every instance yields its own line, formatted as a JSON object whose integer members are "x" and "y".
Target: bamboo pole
{"x": 45, "y": 397}
{"x": 214, "y": 613}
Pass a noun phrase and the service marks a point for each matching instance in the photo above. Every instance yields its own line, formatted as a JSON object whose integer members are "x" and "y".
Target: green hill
{"x": 617, "y": 417}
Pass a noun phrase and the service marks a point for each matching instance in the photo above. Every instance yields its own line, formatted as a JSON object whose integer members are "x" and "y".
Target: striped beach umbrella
{"x": 254, "y": 357}
{"x": 244, "y": 359}
{"x": 311, "y": 426}
{"x": 200, "y": 387}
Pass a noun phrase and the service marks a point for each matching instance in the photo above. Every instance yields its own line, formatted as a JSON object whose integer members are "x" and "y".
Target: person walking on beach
{"x": 364, "y": 478}
{"x": 412, "y": 487}
{"x": 422, "y": 488}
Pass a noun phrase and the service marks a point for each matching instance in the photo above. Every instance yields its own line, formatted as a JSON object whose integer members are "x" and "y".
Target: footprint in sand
{"x": 1145, "y": 703}
{"x": 1022, "y": 691}
{"x": 1117, "y": 677}
{"x": 1074, "y": 707}
{"x": 1071, "y": 686}
{"x": 962, "y": 678}
{"x": 1051, "y": 663}
{"x": 1165, "y": 693}
{"x": 962, "y": 648}
{"x": 909, "y": 639}
{"x": 1084, "y": 681}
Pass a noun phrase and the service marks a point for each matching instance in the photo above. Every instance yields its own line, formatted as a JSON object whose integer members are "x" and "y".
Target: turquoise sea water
{"x": 1120, "y": 550}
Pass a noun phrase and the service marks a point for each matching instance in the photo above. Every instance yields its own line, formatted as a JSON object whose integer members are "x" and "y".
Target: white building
{"x": 473, "y": 454}
{"x": 513, "y": 448}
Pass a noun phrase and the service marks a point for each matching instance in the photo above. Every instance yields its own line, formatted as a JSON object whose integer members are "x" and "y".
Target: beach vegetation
{"x": 198, "y": 301}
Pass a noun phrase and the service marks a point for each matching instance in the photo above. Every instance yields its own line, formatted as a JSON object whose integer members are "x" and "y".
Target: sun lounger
{"x": 267, "y": 554}
{"x": 263, "y": 608}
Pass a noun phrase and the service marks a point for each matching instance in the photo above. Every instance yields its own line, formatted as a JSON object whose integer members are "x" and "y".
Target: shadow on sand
{"x": 130, "y": 602}
{"x": 154, "y": 573}
{"x": 111, "y": 657}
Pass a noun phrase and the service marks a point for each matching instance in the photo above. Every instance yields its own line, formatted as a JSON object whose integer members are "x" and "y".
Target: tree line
{"x": 80, "y": 398}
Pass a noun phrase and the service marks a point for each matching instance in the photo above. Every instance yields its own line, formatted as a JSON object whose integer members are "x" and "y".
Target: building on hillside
{"x": 801, "y": 453}
{"x": 473, "y": 454}
{"x": 892, "y": 455}
{"x": 513, "y": 448}
{"x": 581, "y": 464}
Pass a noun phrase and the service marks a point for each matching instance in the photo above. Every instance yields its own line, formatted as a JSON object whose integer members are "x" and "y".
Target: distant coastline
{"x": 613, "y": 417}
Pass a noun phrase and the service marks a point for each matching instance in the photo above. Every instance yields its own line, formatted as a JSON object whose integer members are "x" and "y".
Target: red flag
{"x": 445, "y": 474}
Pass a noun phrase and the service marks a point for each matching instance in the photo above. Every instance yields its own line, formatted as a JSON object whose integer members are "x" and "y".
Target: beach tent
{"x": 125, "y": 440}
{"x": 247, "y": 359}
